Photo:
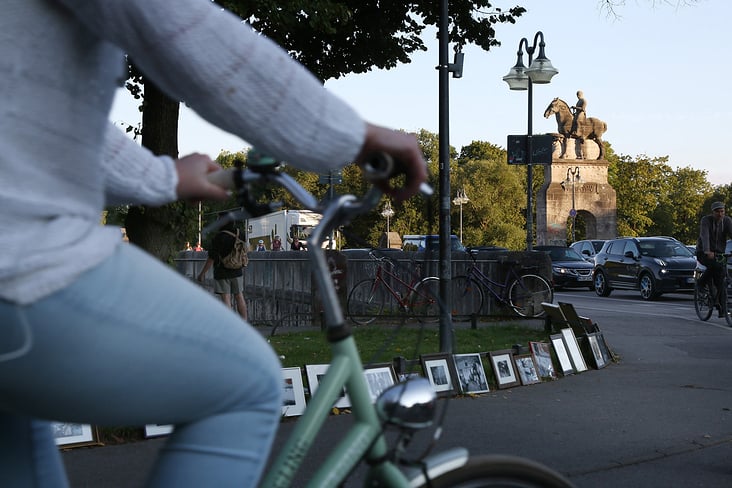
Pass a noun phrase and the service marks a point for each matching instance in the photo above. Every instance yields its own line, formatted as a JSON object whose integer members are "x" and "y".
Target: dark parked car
{"x": 568, "y": 268}
{"x": 588, "y": 248}
{"x": 652, "y": 265}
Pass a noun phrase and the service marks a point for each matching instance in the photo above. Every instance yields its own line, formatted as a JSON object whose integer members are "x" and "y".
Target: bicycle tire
{"x": 500, "y": 471}
{"x": 726, "y": 301}
{"x": 365, "y": 302}
{"x": 703, "y": 302}
{"x": 467, "y": 299}
{"x": 526, "y": 294}
{"x": 425, "y": 301}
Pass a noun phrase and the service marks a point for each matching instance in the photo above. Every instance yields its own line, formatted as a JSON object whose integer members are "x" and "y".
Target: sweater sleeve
{"x": 231, "y": 76}
{"x": 134, "y": 175}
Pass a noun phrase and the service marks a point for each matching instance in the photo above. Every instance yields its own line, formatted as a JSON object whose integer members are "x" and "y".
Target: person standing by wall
{"x": 277, "y": 243}
{"x": 227, "y": 282}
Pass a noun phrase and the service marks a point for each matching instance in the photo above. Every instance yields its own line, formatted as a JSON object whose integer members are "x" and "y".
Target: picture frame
{"x": 470, "y": 375}
{"x": 527, "y": 370}
{"x": 593, "y": 350}
{"x": 314, "y": 373}
{"x": 379, "y": 377}
{"x": 542, "y": 353}
{"x": 402, "y": 377}
{"x": 439, "y": 369}
{"x": 607, "y": 354}
{"x": 504, "y": 368}
{"x": 68, "y": 434}
{"x": 293, "y": 392}
{"x": 565, "y": 364}
{"x": 573, "y": 348}
{"x": 156, "y": 430}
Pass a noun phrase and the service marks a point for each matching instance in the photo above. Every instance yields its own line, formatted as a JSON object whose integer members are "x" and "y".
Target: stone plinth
{"x": 594, "y": 201}
{"x": 590, "y": 148}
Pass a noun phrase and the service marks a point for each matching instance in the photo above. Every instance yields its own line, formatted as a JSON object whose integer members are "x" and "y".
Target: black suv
{"x": 653, "y": 265}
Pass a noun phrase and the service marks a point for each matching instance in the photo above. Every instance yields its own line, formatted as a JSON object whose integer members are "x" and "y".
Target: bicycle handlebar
{"x": 335, "y": 213}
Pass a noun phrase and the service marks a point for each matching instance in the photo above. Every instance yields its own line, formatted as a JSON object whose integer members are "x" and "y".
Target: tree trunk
{"x": 157, "y": 229}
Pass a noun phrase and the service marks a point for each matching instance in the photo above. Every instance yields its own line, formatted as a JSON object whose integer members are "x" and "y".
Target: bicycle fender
{"x": 437, "y": 465}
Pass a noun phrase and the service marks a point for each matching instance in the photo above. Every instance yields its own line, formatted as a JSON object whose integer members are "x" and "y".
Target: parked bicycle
{"x": 407, "y": 406}
{"x": 705, "y": 296}
{"x": 370, "y": 297}
{"x": 522, "y": 293}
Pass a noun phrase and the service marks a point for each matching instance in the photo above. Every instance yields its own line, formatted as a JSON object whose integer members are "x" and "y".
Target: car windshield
{"x": 664, "y": 249}
{"x": 564, "y": 254}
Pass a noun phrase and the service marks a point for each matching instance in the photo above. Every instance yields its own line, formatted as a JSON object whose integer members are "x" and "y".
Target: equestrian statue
{"x": 573, "y": 123}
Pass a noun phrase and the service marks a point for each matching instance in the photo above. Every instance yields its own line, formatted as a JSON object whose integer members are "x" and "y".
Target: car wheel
{"x": 601, "y": 286}
{"x": 647, "y": 287}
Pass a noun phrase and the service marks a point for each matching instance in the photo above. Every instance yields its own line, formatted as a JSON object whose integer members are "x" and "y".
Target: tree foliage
{"x": 333, "y": 38}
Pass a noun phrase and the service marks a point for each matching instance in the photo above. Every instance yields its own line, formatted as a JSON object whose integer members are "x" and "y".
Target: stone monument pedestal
{"x": 595, "y": 204}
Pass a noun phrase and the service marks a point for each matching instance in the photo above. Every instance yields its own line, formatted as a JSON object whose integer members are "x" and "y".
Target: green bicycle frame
{"x": 364, "y": 439}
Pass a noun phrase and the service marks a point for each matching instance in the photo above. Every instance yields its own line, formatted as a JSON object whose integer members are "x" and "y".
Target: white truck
{"x": 284, "y": 223}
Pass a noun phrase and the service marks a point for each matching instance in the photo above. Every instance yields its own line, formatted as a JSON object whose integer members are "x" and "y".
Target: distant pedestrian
{"x": 260, "y": 246}
{"x": 277, "y": 244}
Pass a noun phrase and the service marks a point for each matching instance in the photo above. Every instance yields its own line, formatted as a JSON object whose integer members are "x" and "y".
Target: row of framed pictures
{"x": 449, "y": 374}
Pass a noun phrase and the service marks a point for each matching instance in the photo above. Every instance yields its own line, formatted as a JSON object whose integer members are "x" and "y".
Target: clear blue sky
{"x": 658, "y": 77}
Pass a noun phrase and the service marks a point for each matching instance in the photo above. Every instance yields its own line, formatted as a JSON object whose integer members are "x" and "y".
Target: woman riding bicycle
{"x": 714, "y": 230}
{"x": 96, "y": 331}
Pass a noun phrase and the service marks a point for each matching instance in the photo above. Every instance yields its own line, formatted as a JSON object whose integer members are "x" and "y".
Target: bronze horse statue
{"x": 588, "y": 128}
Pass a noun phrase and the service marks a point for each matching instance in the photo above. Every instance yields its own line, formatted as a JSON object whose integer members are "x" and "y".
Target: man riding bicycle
{"x": 714, "y": 230}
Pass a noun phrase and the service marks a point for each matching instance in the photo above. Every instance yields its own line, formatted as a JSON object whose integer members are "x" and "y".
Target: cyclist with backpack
{"x": 228, "y": 273}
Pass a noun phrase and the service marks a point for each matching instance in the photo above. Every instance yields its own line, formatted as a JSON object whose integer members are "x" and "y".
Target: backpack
{"x": 237, "y": 258}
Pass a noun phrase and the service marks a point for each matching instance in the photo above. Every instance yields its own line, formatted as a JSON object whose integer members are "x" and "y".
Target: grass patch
{"x": 383, "y": 343}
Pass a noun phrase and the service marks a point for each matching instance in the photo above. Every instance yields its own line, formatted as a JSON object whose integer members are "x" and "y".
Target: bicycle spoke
{"x": 425, "y": 302}
{"x": 366, "y": 302}
{"x": 527, "y": 294}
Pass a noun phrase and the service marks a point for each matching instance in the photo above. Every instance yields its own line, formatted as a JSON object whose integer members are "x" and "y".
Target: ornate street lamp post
{"x": 461, "y": 199}
{"x": 573, "y": 177}
{"x": 387, "y": 213}
{"x": 540, "y": 71}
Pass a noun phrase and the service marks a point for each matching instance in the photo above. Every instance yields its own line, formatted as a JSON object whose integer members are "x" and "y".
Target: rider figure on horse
{"x": 579, "y": 110}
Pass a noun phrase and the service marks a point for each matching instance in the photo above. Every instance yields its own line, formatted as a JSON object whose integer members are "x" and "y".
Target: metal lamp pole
{"x": 519, "y": 77}
{"x": 461, "y": 199}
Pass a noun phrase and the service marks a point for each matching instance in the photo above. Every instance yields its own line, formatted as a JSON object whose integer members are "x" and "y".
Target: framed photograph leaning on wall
{"x": 542, "y": 353}
{"x": 527, "y": 370}
{"x": 470, "y": 373}
{"x": 74, "y": 435}
{"x": 504, "y": 368}
{"x": 293, "y": 392}
{"x": 379, "y": 377}
{"x": 440, "y": 370}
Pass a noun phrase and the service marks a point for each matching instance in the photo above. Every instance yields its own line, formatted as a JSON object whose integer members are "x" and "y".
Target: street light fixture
{"x": 540, "y": 71}
{"x": 461, "y": 199}
{"x": 573, "y": 177}
{"x": 387, "y": 213}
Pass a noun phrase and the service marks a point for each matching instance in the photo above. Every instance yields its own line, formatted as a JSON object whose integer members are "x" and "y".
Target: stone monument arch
{"x": 595, "y": 205}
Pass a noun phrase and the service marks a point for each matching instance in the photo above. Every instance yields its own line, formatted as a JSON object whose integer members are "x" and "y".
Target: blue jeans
{"x": 132, "y": 343}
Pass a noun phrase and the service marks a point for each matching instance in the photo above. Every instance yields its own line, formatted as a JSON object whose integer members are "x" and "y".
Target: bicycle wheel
{"x": 726, "y": 300}
{"x": 503, "y": 471}
{"x": 467, "y": 298}
{"x": 703, "y": 302}
{"x": 366, "y": 302}
{"x": 527, "y": 293}
{"x": 425, "y": 302}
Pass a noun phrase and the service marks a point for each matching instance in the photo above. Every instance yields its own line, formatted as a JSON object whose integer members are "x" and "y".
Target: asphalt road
{"x": 661, "y": 417}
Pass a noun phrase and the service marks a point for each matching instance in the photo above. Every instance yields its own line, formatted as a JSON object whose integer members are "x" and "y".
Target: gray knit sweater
{"x": 61, "y": 161}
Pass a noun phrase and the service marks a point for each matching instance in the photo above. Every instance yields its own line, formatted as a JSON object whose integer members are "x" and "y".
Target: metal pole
{"x": 529, "y": 168}
{"x": 445, "y": 268}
